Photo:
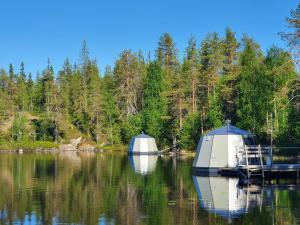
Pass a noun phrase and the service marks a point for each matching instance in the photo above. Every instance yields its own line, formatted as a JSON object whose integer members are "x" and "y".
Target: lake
{"x": 103, "y": 188}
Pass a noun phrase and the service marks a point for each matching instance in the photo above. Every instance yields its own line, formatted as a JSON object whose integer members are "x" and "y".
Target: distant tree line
{"x": 174, "y": 100}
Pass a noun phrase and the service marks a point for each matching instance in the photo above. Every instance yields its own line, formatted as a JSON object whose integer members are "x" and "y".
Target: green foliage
{"x": 154, "y": 107}
{"x": 254, "y": 89}
{"x": 292, "y": 132}
{"x": 214, "y": 117}
{"x": 190, "y": 133}
{"x": 27, "y": 145}
{"x": 131, "y": 127}
{"x": 46, "y": 129}
{"x": 19, "y": 131}
{"x": 166, "y": 98}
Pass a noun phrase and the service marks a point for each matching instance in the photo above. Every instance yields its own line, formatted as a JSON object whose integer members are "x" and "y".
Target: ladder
{"x": 258, "y": 153}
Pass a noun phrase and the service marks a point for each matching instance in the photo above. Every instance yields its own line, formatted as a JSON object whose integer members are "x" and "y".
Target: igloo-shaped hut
{"x": 218, "y": 148}
{"x": 142, "y": 144}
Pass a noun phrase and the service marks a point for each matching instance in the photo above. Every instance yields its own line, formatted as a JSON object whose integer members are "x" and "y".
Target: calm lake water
{"x": 73, "y": 188}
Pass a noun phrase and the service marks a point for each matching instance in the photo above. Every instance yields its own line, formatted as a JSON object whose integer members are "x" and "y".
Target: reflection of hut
{"x": 218, "y": 148}
{"x": 143, "y": 164}
{"x": 142, "y": 144}
{"x": 220, "y": 195}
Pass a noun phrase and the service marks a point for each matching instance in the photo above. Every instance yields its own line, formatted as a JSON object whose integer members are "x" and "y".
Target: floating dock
{"x": 273, "y": 171}
{"x": 255, "y": 171}
{"x": 257, "y": 162}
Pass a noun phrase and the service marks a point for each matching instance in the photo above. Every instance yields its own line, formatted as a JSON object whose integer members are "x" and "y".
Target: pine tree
{"x": 228, "y": 89}
{"x": 292, "y": 37}
{"x": 211, "y": 64}
{"x": 190, "y": 70}
{"x": 129, "y": 82}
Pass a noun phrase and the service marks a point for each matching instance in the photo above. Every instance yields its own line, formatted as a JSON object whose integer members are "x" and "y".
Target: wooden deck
{"x": 273, "y": 171}
{"x": 274, "y": 167}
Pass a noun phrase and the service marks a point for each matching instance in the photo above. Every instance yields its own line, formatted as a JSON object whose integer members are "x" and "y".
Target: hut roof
{"x": 229, "y": 129}
{"x": 143, "y": 135}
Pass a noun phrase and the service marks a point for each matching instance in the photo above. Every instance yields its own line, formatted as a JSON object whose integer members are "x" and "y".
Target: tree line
{"x": 171, "y": 99}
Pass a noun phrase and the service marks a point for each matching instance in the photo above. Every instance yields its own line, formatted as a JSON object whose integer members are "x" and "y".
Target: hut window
{"x": 248, "y": 140}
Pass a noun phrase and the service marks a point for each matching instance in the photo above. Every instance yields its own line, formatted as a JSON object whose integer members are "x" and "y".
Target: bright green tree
{"x": 254, "y": 89}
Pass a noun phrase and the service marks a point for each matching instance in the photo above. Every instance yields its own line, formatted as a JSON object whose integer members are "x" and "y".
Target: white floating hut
{"x": 218, "y": 148}
{"x": 224, "y": 197}
{"x": 143, "y": 164}
{"x": 142, "y": 144}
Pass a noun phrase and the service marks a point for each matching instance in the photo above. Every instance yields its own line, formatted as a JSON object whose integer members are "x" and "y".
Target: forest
{"x": 173, "y": 99}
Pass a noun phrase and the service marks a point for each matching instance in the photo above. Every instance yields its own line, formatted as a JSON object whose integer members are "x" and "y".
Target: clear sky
{"x": 35, "y": 30}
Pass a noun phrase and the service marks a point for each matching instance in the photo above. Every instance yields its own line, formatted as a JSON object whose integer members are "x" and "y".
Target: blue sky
{"x": 33, "y": 30}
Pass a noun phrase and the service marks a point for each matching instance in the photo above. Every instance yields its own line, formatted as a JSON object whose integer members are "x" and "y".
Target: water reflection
{"x": 223, "y": 196}
{"x": 95, "y": 189}
{"x": 143, "y": 164}
{"x": 263, "y": 203}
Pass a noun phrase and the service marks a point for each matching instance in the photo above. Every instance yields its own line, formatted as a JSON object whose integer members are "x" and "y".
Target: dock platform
{"x": 272, "y": 171}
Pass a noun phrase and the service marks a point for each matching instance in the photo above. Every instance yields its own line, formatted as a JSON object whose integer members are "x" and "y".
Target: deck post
{"x": 247, "y": 163}
{"x": 261, "y": 161}
{"x": 271, "y": 155}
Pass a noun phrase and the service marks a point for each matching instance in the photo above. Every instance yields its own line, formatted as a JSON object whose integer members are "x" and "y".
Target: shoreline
{"x": 106, "y": 149}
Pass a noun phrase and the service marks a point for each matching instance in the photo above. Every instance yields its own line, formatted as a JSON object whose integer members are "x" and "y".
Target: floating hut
{"x": 143, "y": 164}
{"x": 231, "y": 151}
{"x": 142, "y": 144}
{"x": 217, "y": 149}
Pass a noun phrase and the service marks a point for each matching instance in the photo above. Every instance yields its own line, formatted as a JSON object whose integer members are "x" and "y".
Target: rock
{"x": 86, "y": 147}
{"x": 72, "y": 146}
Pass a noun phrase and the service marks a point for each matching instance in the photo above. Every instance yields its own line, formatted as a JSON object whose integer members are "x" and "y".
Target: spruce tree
{"x": 30, "y": 92}
{"x": 154, "y": 107}
{"x": 166, "y": 57}
{"x": 22, "y": 97}
{"x": 64, "y": 84}
{"x": 111, "y": 121}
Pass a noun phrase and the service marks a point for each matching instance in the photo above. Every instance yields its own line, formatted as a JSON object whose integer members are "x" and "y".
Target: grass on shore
{"x": 27, "y": 145}
{"x": 115, "y": 148}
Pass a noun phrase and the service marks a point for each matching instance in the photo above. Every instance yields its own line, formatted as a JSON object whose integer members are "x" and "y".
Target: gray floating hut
{"x": 219, "y": 148}
{"x": 142, "y": 144}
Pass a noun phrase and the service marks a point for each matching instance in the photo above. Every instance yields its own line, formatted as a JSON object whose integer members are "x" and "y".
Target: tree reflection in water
{"x": 112, "y": 189}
